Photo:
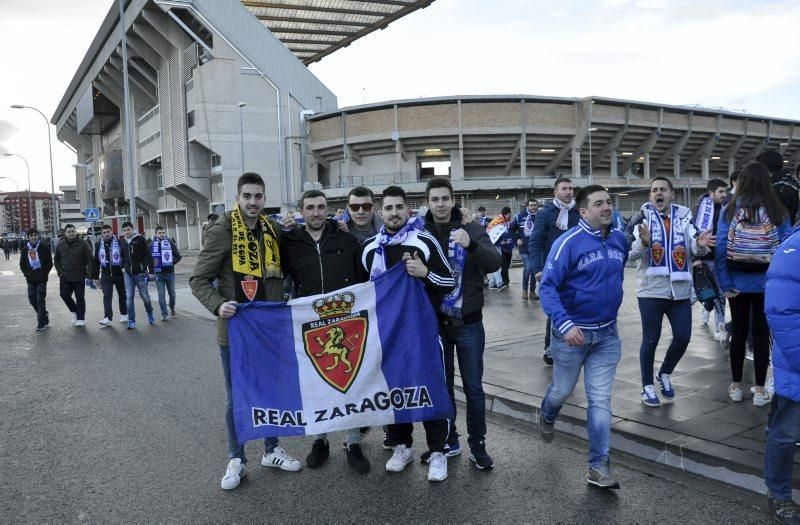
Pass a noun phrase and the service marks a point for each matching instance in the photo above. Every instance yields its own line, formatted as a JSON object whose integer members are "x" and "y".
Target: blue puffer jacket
{"x": 782, "y": 305}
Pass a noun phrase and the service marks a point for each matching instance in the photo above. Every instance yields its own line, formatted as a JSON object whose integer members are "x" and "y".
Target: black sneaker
{"x": 783, "y": 510}
{"x": 172, "y": 312}
{"x": 478, "y": 455}
{"x": 356, "y": 459}
{"x": 319, "y": 453}
{"x": 548, "y": 357}
{"x": 387, "y": 443}
{"x": 47, "y": 318}
{"x": 41, "y": 328}
{"x": 547, "y": 429}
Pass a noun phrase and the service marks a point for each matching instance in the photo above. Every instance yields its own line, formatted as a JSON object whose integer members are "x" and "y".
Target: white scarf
{"x": 385, "y": 239}
{"x": 562, "y": 222}
{"x": 705, "y": 214}
{"x": 33, "y": 256}
{"x": 528, "y": 227}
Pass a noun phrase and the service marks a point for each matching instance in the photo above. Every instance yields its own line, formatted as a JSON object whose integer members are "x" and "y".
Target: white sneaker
{"x": 759, "y": 400}
{"x": 74, "y": 319}
{"x": 749, "y": 354}
{"x": 233, "y": 474}
{"x": 123, "y": 319}
{"x": 706, "y": 315}
{"x": 105, "y": 321}
{"x": 278, "y": 458}
{"x": 735, "y": 393}
{"x": 402, "y": 456}
{"x": 437, "y": 471}
{"x": 79, "y": 323}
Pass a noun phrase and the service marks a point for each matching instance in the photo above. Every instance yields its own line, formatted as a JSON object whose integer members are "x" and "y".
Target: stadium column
{"x": 614, "y": 173}
{"x": 676, "y": 166}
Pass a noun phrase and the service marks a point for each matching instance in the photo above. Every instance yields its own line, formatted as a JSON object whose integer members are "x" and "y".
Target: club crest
{"x": 335, "y": 344}
{"x": 679, "y": 256}
{"x": 249, "y": 287}
{"x": 657, "y": 253}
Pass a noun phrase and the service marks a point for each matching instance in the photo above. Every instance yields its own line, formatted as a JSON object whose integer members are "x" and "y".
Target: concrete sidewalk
{"x": 702, "y": 431}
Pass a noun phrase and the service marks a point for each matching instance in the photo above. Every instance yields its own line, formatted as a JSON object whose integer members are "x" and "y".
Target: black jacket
{"x": 482, "y": 259}
{"x": 320, "y": 267}
{"x": 111, "y": 270}
{"x": 545, "y": 232}
{"x": 73, "y": 260}
{"x": 176, "y": 255}
{"x": 787, "y": 189}
{"x": 39, "y": 275}
{"x": 136, "y": 258}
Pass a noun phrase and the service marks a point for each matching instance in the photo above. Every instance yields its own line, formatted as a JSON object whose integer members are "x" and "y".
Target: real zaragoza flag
{"x": 367, "y": 355}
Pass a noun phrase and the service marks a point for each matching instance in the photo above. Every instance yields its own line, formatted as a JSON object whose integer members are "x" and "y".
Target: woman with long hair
{"x": 751, "y": 226}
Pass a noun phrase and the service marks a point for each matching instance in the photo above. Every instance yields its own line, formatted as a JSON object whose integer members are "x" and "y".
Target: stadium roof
{"x": 313, "y": 29}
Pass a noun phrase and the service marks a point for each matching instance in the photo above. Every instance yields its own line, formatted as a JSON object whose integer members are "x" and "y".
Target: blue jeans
{"x": 467, "y": 342}
{"x": 235, "y": 450}
{"x": 527, "y": 276}
{"x": 652, "y": 312}
{"x": 165, "y": 279}
{"x": 133, "y": 283}
{"x": 599, "y": 357}
{"x": 783, "y": 433}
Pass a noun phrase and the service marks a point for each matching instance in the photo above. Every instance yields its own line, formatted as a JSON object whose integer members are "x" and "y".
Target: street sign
{"x": 92, "y": 214}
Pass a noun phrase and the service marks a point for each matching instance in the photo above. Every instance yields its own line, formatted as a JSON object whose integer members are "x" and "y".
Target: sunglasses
{"x": 367, "y": 206}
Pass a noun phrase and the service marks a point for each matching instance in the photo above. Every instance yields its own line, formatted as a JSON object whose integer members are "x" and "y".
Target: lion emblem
{"x": 334, "y": 346}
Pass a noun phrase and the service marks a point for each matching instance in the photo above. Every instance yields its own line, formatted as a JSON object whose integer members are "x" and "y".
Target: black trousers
{"x": 78, "y": 305}
{"x": 436, "y": 431}
{"x": 504, "y": 266}
{"x": 37, "y": 294}
{"x": 741, "y": 306}
{"x": 108, "y": 283}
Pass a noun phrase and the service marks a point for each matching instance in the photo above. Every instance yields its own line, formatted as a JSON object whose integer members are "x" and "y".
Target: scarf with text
{"x": 562, "y": 222}
{"x": 33, "y": 256}
{"x": 387, "y": 239}
{"x": 457, "y": 257}
{"x": 667, "y": 250}
{"x": 253, "y": 262}
{"x": 115, "y": 253}
{"x": 705, "y": 214}
{"x": 161, "y": 252}
{"x": 528, "y": 227}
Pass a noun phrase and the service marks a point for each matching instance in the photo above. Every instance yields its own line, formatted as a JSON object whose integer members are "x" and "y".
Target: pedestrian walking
{"x": 165, "y": 256}
{"x": 108, "y": 273}
{"x": 138, "y": 268}
{"x": 35, "y": 264}
{"x": 401, "y": 240}
{"x": 552, "y": 221}
{"x": 781, "y": 302}
{"x": 522, "y": 228}
{"x": 73, "y": 260}
{"x": 471, "y": 255}
{"x": 581, "y": 292}
{"x": 501, "y": 237}
{"x": 7, "y": 247}
{"x": 246, "y": 231}
{"x": 319, "y": 258}
{"x": 665, "y": 239}
{"x": 750, "y": 229}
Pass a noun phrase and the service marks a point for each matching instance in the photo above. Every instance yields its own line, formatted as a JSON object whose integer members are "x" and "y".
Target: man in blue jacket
{"x": 581, "y": 292}
{"x": 551, "y": 222}
{"x": 781, "y": 302}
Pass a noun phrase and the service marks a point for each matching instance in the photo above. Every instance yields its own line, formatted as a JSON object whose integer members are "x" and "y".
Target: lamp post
{"x": 241, "y": 130}
{"x": 27, "y": 167}
{"x": 17, "y": 186}
{"x": 53, "y": 209}
{"x": 591, "y": 177}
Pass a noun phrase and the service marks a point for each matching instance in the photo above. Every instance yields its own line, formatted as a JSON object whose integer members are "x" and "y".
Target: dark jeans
{"x": 436, "y": 431}
{"x": 528, "y": 280}
{"x": 741, "y": 306}
{"x": 108, "y": 283}
{"x": 37, "y": 294}
{"x": 783, "y": 433}
{"x": 652, "y": 312}
{"x": 504, "y": 266}
{"x": 235, "y": 450}
{"x": 165, "y": 284}
{"x": 466, "y": 342}
{"x": 78, "y": 305}
{"x": 548, "y": 328}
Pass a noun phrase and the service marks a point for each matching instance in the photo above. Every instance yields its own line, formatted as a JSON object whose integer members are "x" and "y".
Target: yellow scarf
{"x": 246, "y": 251}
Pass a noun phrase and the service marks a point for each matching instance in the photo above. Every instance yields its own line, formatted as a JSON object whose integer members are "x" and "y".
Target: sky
{"x": 733, "y": 54}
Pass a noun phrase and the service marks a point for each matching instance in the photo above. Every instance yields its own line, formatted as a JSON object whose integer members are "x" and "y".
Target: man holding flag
{"x": 165, "y": 256}
{"x": 242, "y": 253}
{"x": 108, "y": 273}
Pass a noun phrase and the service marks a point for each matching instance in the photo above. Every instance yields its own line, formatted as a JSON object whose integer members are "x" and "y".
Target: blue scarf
{"x": 385, "y": 239}
{"x": 162, "y": 254}
{"x": 457, "y": 257}
{"x": 705, "y": 214}
{"x": 668, "y": 254}
{"x": 33, "y": 256}
{"x": 115, "y": 254}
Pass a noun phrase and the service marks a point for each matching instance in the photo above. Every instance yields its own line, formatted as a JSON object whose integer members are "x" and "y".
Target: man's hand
{"x": 706, "y": 239}
{"x": 460, "y": 237}
{"x": 519, "y": 242}
{"x": 644, "y": 234}
{"x": 538, "y": 276}
{"x": 226, "y": 310}
{"x": 288, "y": 222}
{"x": 574, "y": 337}
{"x": 97, "y": 282}
{"x": 730, "y": 294}
{"x": 415, "y": 267}
{"x": 342, "y": 226}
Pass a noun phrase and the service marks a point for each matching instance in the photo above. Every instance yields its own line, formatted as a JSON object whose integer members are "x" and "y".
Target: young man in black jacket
{"x": 165, "y": 256}
{"x": 73, "y": 261}
{"x": 471, "y": 255}
{"x": 404, "y": 241}
{"x": 784, "y": 184}
{"x": 138, "y": 268}
{"x": 319, "y": 258}
{"x": 108, "y": 273}
{"x": 35, "y": 264}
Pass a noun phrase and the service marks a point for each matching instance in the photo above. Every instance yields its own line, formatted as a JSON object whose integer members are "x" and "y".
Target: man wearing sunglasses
{"x": 364, "y": 222}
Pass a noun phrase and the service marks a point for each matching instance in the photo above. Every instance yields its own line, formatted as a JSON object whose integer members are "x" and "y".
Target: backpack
{"x": 752, "y": 239}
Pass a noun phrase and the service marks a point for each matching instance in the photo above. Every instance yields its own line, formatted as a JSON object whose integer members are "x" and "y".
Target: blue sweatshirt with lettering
{"x": 582, "y": 278}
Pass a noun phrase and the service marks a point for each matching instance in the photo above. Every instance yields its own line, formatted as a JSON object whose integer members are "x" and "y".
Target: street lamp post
{"x": 591, "y": 177}
{"x": 53, "y": 208}
{"x": 16, "y": 186}
{"x": 28, "y": 168}
{"x": 241, "y": 130}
